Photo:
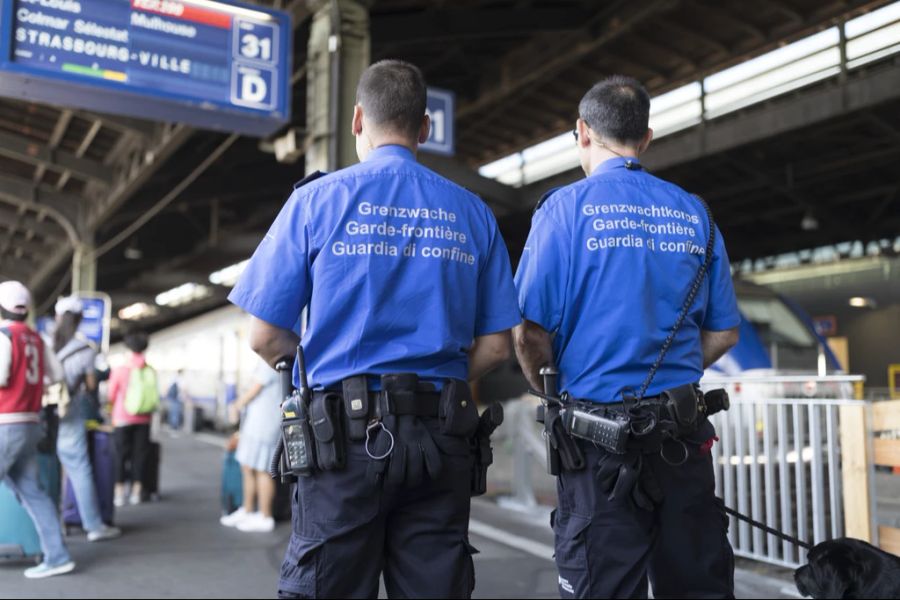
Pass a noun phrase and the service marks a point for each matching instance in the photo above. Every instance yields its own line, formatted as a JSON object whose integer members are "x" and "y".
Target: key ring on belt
{"x": 373, "y": 424}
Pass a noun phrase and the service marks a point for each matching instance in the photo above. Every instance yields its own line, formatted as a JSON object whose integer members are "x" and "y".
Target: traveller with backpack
{"x": 76, "y": 354}
{"x": 134, "y": 396}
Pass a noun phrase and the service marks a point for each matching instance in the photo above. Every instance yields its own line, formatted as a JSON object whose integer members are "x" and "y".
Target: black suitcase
{"x": 150, "y": 482}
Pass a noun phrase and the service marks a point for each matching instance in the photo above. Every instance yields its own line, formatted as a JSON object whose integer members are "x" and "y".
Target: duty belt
{"x": 420, "y": 404}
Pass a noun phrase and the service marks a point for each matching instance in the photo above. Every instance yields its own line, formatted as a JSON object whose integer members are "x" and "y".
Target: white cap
{"x": 14, "y": 297}
{"x": 71, "y": 304}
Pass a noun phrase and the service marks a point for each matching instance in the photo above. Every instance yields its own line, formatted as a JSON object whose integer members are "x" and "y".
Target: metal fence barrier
{"x": 779, "y": 460}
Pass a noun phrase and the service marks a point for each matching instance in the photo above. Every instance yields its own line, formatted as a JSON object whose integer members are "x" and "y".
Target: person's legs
{"x": 692, "y": 557}
{"x": 123, "y": 437}
{"x": 248, "y": 483}
{"x": 338, "y": 533}
{"x": 602, "y": 546}
{"x": 19, "y": 470}
{"x": 427, "y": 549}
{"x": 141, "y": 447}
{"x": 72, "y": 449}
{"x": 265, "y": 489}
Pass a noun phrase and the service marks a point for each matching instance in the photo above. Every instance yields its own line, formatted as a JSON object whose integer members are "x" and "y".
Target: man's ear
{"x": 357, "y": 125}
{"x": 645, "y": 143}
{"x": 584, "y": 133}
{"x": 425, "y": 129}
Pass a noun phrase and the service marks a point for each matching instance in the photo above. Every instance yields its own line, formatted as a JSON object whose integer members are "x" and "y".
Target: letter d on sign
{"x": 253, "y": 88}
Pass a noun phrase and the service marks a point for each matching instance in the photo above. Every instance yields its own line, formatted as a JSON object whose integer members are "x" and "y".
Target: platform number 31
{"x": 254, "y": 47}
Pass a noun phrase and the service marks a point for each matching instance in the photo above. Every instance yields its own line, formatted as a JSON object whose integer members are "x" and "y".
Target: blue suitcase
{"x": 103, "y": 463}
{"x": 18, "y": 536}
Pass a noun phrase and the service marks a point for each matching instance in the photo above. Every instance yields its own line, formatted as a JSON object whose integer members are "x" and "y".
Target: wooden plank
{"x": 887, "y": 452}
{"x": 886, "y": 415}
{"x": 889, "y": 539}
{"x": 855, "y": 473}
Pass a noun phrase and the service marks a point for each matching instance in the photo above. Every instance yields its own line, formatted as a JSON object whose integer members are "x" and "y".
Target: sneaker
{"x": 119, "y": 501}
{"x": 106, "y": 533}
{"x": 234, "y": 518}
{"x": 45, "y": 570}
{"x": 256, "y": 523}
{"x": 134, "y": 499}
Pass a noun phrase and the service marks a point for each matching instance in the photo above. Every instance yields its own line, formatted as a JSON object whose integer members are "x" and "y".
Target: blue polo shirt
{"x": 607, "y": 267}
{"x": 401, "y": 270}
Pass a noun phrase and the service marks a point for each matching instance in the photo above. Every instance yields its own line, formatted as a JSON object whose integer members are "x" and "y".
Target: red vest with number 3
{"x": 25, "y": 386}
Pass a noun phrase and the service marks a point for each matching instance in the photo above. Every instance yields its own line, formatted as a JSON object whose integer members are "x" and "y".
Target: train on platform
{"x": 212, "y": 351}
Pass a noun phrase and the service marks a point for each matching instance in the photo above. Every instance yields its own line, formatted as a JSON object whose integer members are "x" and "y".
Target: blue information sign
{"x": 207, "y": 63}
{"x": 440, "y": 110}
{"x": 95, "y": 320}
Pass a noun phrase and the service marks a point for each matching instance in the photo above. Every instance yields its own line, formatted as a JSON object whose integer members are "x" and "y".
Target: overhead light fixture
{"x": 861, "y": 302}
{"x": 183, "y": 294}
{"x": 229, "y": 275}
{"x": 132, "y": 252}
{"x": 137, "y": 311}
{"x": 809, "y": 222}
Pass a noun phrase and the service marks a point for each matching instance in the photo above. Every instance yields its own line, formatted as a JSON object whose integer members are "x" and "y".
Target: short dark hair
{"x": 136, "y": 341}
{"x": 393, "y": 95}
{"x": 617, "y": 107}
{"x": 9, "y": 315}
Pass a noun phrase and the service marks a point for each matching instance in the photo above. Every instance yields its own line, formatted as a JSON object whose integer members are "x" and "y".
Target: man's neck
{"x": 395, "y": 141}
{"x": 601, "y": 154}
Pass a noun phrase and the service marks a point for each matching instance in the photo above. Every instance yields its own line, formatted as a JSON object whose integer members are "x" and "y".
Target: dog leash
{"x": 769, "y": 530}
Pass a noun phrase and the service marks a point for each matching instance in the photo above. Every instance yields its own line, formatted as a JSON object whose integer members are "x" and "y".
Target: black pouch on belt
{"x": 356, "y": 406}
{"x": 683, "y": 402}
{"x": 459, "y": 416}
{"x": 325, "y": 420}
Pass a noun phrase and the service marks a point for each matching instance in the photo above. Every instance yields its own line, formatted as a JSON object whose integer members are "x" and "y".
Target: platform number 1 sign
{"x": 440, "y": 107}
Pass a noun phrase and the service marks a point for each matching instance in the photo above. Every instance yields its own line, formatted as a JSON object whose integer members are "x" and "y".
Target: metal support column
{"x": 84, "y": 266}
{"x": 338, "y": 53}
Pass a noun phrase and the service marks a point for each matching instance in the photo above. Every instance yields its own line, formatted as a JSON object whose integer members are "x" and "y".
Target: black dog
{"x": 848, "y": 568}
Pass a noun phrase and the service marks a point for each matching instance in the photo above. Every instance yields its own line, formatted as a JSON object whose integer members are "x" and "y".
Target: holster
{"x": 327, "y": 427}
{"x": 562, "y": 450}
{"x": 484, "y": 455}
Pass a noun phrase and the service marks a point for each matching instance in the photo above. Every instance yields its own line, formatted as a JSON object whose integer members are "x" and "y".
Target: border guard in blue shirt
{"x": 626, "y": 293}
{"x": 410, "y": 295}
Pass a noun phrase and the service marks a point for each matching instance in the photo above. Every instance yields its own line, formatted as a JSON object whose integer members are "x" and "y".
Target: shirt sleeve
{"x": 5, "y": 359}
{"x": 543, "y": 272}
{"x": 496, "y": 309}
{"x": 276, "y": 284}
{"x": 721, "y": 308}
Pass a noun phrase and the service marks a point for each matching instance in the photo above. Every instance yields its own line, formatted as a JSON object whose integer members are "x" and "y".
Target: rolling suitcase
{"x": 150, "y": 483}
{"x": 18, "y": 536}
{"x": 103, "y": 464}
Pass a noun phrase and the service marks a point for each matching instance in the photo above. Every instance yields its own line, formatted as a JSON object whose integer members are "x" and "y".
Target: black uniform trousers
{"x": 348, "y": 530}
{"x": 609, "y": 549}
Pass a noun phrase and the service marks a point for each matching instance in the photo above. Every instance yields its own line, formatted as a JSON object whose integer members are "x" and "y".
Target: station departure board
{"x": 205, "y": 62}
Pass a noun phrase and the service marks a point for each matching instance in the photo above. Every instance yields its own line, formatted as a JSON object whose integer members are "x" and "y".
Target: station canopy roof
{"x": 518, "y": 68}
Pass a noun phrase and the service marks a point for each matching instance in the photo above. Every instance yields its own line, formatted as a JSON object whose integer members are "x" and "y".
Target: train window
{"x": 775, "y": 323}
